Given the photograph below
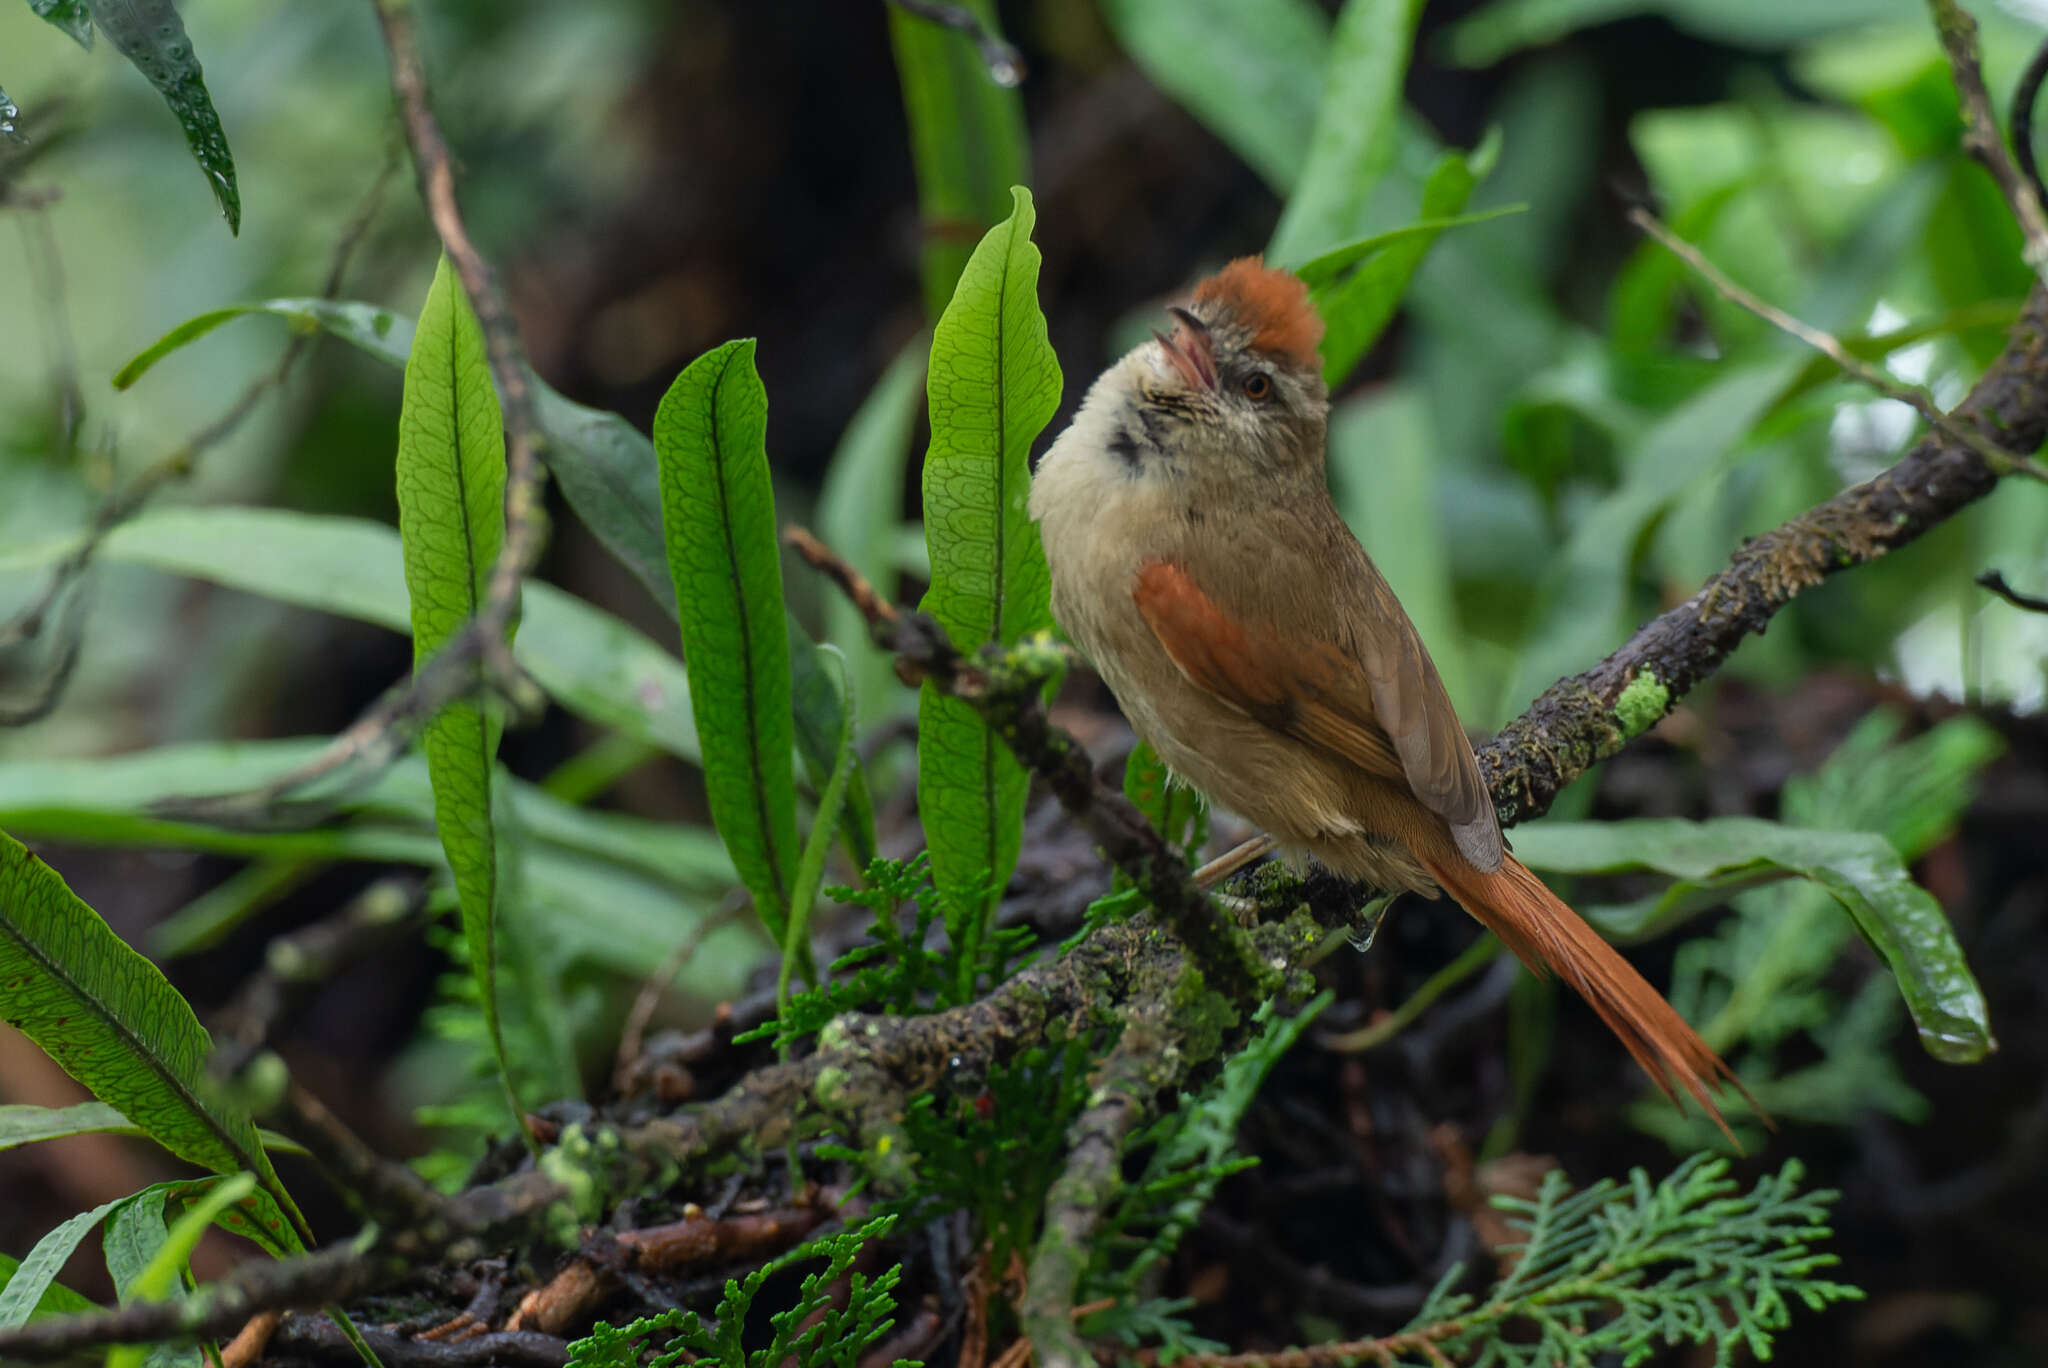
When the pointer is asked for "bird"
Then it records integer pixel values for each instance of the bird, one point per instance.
(1197, 560)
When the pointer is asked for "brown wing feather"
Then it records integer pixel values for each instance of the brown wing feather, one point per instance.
(1372, 697)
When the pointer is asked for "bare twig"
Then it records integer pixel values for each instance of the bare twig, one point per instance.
(172, 467)
(524, 474)
(1981, 136)
(1995, 582)
(480, 652)
(2023, 96)
(626, 1065)
(296, 965)
(1005, 64)
(1830, 346)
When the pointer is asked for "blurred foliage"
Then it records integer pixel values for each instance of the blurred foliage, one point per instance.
(1543, 434)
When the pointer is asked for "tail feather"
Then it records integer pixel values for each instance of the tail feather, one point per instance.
(1545, 934)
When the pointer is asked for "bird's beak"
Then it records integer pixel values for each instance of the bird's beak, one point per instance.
(1190, 350)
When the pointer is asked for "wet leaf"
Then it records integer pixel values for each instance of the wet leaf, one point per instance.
(152, 37)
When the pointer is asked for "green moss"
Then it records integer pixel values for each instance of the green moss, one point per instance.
(1641, 704)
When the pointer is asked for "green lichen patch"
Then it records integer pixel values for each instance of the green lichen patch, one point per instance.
(1642, 704)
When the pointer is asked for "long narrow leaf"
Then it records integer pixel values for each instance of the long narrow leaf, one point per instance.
(718, 514)
(1250, 70)
(451, 524)
(966, 140)
(150, 34)
(24, 1124)
(55, 1300)
(111, 1020)
(822, 712)
(1900, 919)
(159, 1277)
(590, 662)
(994, 384)
(810, 866)
(1357, 129)
(1357, 307)
(608, 475)
(70, 16)
(33, 1277)
(860, 509)
(380, 332)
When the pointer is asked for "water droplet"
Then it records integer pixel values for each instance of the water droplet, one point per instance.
(1006, 70)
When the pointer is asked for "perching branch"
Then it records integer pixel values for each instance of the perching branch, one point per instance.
(1149, 1059)
(1004, 687)
(1581, 720)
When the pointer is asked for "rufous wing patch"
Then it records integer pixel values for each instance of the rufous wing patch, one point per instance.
(1273, 306)
(1301, 689)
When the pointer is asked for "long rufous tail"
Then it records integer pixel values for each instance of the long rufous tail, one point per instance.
(1545, 933)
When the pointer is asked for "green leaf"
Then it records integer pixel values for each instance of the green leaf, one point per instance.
(605, 467)
(1900, 919)
(56, 1299)
(860, 509)
(1507, 26)
(159, 1278)
(1583, 605)
(1383, 461)
(71, 16)
(589, 661)
(966, 140)
(134, 1233)
(1357, 308)
(994, 384)
(380, 332)
(31, 1281)
(1356, 130)
(61, 798)
(451, 525)
(823, 713)
(607, 472)
(718, 513)
(150, 35)
(810, 866)
(109, 1018)
(24, 1124)
(1249, 70)
(1325, 269)
(1178, 813)
(217, 913)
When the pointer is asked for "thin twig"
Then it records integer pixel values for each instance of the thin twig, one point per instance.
(294, 967)
(480, 652)
(1574, 724)
(1981, 136)
(1995, 582)
(1005, 64)
(625, 1066)
(525, 525)
(176, 465)
(1830, 346)
(2023, 96)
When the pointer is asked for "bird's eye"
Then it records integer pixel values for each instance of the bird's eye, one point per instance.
(1258, 385)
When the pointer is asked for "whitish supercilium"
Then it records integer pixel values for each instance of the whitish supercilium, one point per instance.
(1196, 557)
